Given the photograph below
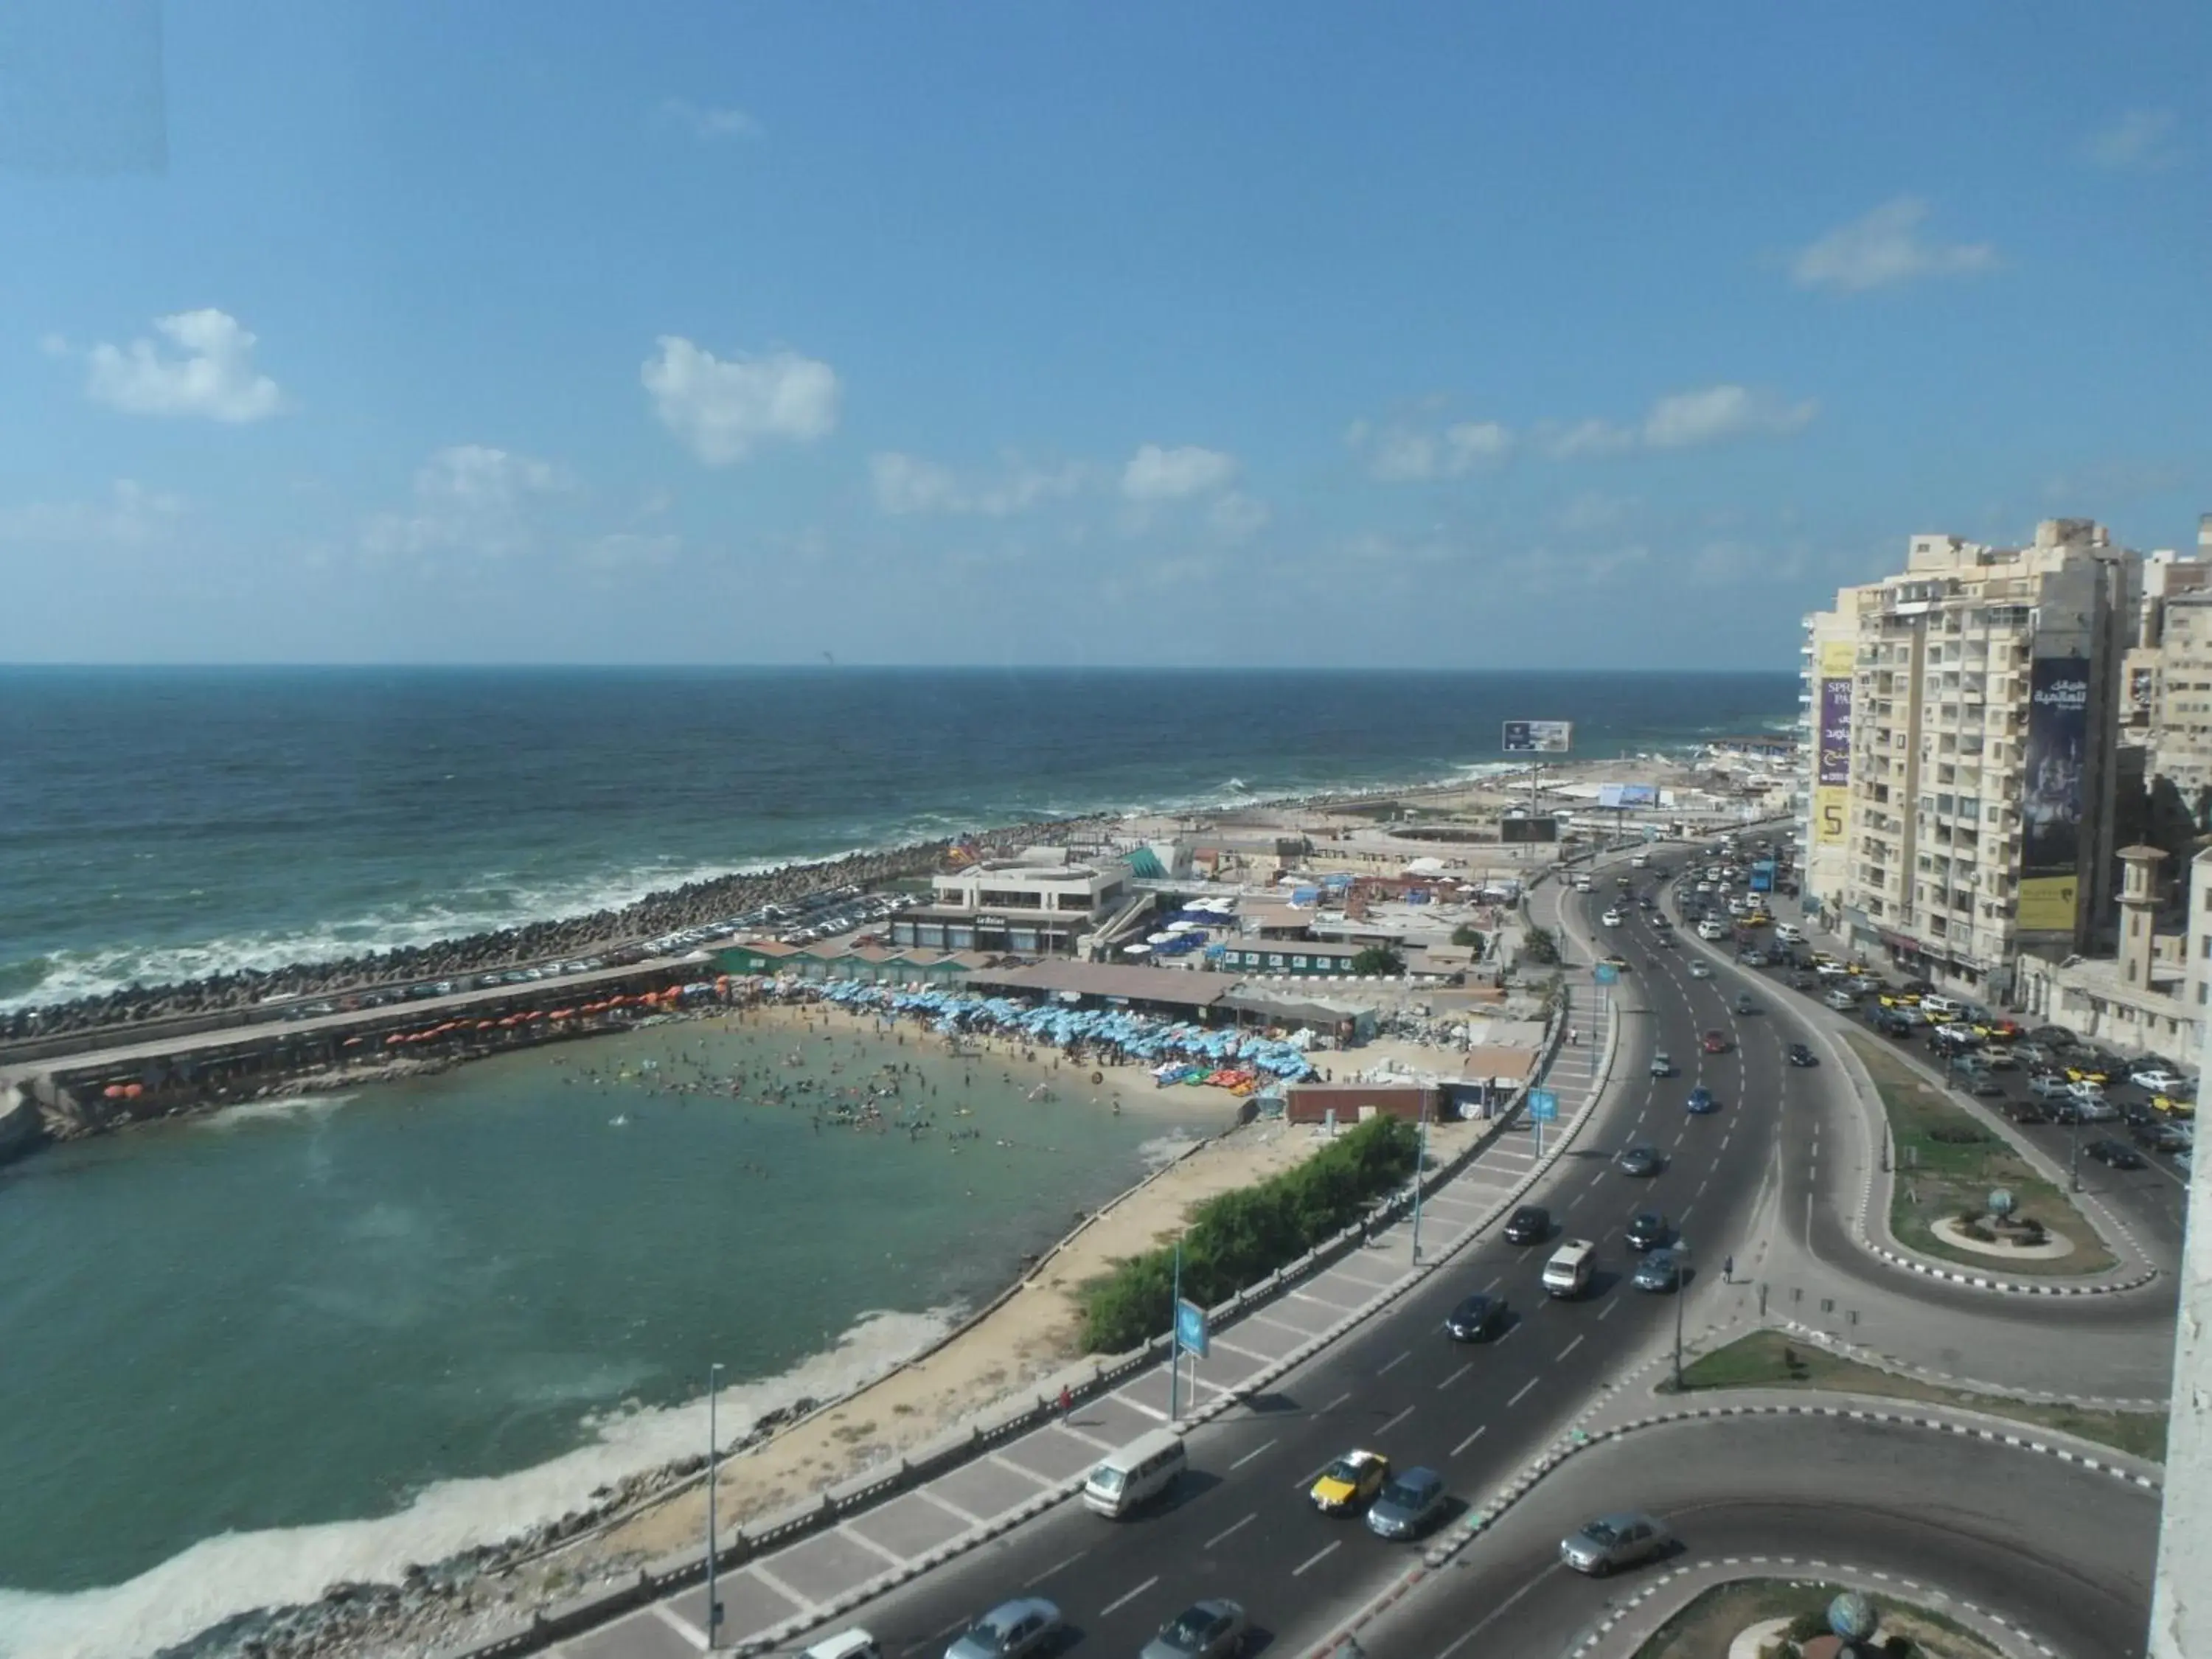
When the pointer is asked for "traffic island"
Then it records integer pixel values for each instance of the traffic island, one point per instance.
(1786, 1619)
(1947, 1165)
(1774, 1359)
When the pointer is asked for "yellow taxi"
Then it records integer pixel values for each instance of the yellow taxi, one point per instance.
(2171, 1107)
(2088, 1074)
(1350, 1482)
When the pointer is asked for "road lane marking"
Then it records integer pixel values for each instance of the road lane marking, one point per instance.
(1569, 1349)
(1395, 1421)
(1493, 1283)
(1610, 1303)
(1316, 1559)
(1686, 1208)
(1335, 1403)
(1394, 1363)
(1055, 1567)
(1226, 1531)
(1455, 1376)
(1525, 1387)
(1253, 1452)
(1116, 1606)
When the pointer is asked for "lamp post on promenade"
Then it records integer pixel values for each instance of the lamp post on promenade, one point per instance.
(1420, 1163)
(713, 1466)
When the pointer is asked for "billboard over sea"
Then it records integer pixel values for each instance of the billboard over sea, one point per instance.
(1831, 764)
(1537, 737)
(1621, 795)
(2051, 795)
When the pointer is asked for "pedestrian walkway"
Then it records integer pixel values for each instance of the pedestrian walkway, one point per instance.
(789, 1588)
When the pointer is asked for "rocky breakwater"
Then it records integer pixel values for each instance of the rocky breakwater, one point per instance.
(601, 933)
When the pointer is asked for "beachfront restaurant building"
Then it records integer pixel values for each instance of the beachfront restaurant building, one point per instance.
(1040, 902)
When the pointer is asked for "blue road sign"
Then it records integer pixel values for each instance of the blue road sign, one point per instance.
(1606, 974)
(1543, 1106)
(1190, 1328)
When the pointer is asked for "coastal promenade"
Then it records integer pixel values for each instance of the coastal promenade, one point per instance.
(854, 1546)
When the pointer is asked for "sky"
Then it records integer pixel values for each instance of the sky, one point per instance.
(1294, 335)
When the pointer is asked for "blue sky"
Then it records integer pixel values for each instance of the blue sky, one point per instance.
(1299, 334)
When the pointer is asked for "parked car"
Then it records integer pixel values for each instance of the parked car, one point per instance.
(1613, 1542)
(1530, 1224)
(1012, 1629)
(1408, 1506)
(1212, 1629)
(2117, 1154)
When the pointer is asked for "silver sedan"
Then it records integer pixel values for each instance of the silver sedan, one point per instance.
(1213, 1629)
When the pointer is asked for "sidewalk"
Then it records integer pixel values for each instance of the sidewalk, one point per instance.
(905, 1528)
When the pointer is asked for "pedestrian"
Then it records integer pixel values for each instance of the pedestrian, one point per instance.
(1067, 1403)
(1728, 1270)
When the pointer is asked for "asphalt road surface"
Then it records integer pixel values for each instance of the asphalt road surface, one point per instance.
(2065, 1553)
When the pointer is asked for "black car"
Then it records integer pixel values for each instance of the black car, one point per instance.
(1799, 1054)
(2136, 1114)
(1802, 981)
(2052, 1037)
(1647, 1230)
(2115, 1153)
(1641, 1161)
(2025, 1111)
(1476, 1319)
(2162, 1137)
(1530, 1224)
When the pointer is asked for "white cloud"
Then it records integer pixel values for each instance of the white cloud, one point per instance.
(1237, 515)
(1404, 454)
(1580, 439)
(1714, 414)
(210, 371)
(721, 410)
(627, 549)
(1884, 248)
(1157, 474)
(132, 516)
(906, 484)
(2141, 139)
(470, 499)
(707, 121)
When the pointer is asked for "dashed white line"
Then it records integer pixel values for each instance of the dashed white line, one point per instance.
(1317, 1558)
(1686, 1208)
(1395, 1421)
(1123, 1601)
(1253, 1452)
(1455, 1376)
(1226, 1531)
(1339, 1400)
(1522, 1394)
(1055, 1567)
(1394, 1363)
(1610, 1303)
(1569, 1349)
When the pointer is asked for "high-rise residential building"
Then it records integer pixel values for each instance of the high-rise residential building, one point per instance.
(1981, 736)
(2169, 673)
(1828, 669)
(2181, 1597)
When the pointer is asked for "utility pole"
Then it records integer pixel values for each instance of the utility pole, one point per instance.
(1681, 1293)
(714, 1468)
(1420, 1163)
(1175, 1337)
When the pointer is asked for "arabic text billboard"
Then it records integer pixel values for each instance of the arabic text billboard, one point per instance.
(1831, 764)
(1537, 737)
(2051, 795)
(1614, 795)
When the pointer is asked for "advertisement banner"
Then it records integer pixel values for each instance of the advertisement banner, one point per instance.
(1832, 764)
(1511, 831)
(2142, 689)
(1537, 737)
(1617, 796)
(2051, 795)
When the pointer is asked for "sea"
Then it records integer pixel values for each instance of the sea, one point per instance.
(316, 1339)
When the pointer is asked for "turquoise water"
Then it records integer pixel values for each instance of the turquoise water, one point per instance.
(414, 1317)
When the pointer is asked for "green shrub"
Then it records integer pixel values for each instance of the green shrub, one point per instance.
(1237, 1238)
(1813, 1622)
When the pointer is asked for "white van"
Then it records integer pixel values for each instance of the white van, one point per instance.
(1942, 1008)
(1789, 933)
(1134, 1476)
(1641, 860)
(1568, 1272)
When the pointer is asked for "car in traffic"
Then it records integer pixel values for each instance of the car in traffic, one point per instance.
(1714, 1043)
(1700, 970)
(1350, 1482)
(1408, 1505)
(1647, 1230)
(1530, 1224)
(1613, 1542)
(1700, 1102)
(1642, 1160)
(2161, 1136)
(1012, 1629)
(1662, 1064)
(1613, 918)
(1216, 1628)
(2114, 1154)
(2172, 1106)
(1744, 1005)
(1658, 1270)
(1799, 1054)
(2158, 1079)
(2049, 1085)
(1477, 1318)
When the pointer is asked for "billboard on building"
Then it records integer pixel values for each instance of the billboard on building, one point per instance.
(1832, 762)
(1537, 737)
(1527, 830)
(2142, 689)
(1627, 794)
(2051, 804)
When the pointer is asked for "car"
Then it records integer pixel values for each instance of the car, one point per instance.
(1613, 1542)
(1612, 918)
(1714, 1043)
(1662, 1064)
(2031, 1053)
(1641, 1161)
(1700, 1102)
(1476, 1319)
(1753, 958)
(2052, 1036)
(1744, 1005)
(1012, 1629)
(1980, 1082)
(2185, 1160)
(2024, 1112)
(2117, 1154)
(1699, 970)
(2137, 1113)
(1799, 1054)
(1408, 1506)
(2049, 1085)
(1647, 1230)
(1350, 1483)
(1659, 1270)
(2163, 1137)
(1530, 1224)
(1212, 1629)
(2084, 1088)
(2174, 1106)
(1618, 962)
(2000, 1057)
(2158, 1079)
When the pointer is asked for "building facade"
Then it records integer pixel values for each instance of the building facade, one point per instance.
(1827, 681)
(1981, 732)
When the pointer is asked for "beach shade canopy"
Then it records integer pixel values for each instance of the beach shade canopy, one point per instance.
(1158, 938)
(1136, 950)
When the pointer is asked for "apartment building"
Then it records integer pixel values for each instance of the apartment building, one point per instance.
(2169, 675)
(1827, 677)
(1981, 729)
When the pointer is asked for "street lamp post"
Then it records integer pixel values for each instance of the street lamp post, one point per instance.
(713, 1606)
(1681, 1291)
(2073, 1148)
(1420, 1163)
